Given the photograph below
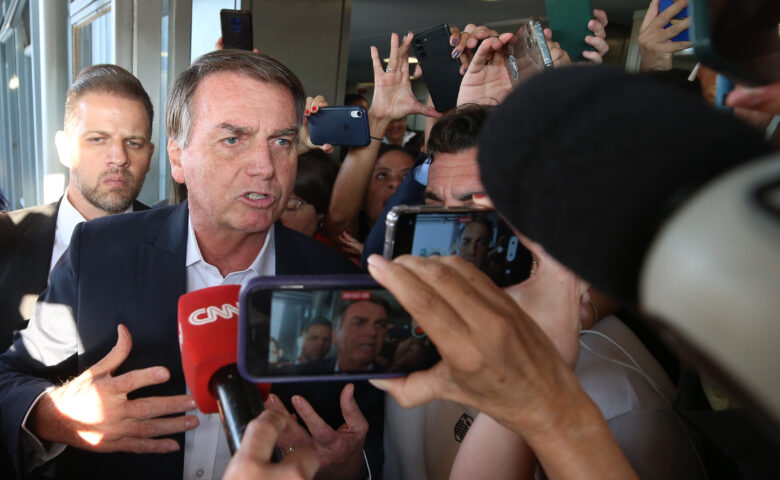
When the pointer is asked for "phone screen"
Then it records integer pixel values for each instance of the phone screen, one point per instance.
(478, 236)
(343, 331)
(747, 33)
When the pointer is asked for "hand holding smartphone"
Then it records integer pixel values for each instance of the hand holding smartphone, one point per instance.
(347, 125)
(478, 236)
(237, 29)
(326, 328)
(441, 72)
(569, 23)
(527, 53)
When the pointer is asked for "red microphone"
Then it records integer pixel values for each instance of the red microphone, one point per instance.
(208, 337)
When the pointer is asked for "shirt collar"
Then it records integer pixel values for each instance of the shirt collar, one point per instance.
(67, 219)
(259, 265)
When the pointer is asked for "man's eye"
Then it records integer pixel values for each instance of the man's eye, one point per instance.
(134, 144)
(230, 140)
(96, 140)
(283, 142)
(381, 176)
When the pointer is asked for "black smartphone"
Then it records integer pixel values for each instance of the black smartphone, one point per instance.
(569, 23)
(527, 52)
(739, 38)
(440, 71)
(237, 29)
(326, 328)
(478, 236)
(347, 125)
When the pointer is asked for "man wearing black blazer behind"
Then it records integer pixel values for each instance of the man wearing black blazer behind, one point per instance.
(232, 120)
(106, 143)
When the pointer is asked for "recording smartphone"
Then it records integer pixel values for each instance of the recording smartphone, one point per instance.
(440, 71)
(347, 125)
(478, 236)
(682, 36)
(569, 23)
(326, 328)
(527, 53)
(237, 29)
(738, 38)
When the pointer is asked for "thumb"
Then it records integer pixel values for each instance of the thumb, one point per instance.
(116, 356)
(353, 417)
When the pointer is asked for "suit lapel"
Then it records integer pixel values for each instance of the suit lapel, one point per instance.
(160, 281)
(289, 260)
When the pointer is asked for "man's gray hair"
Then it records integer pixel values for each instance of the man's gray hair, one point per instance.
(178, 116)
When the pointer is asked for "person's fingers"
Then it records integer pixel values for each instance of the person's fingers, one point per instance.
(302, 460)
(427, 110)
(548, 34)
(601, 45)
(261, 434)
(307, 109)
(481, 57)
(417, 388)
(327, 148)
(601, 17)
(317, 103)
(597, 28)
(482, 32)
(417, 72)
(153, 407)
(462, 44)
(677, 28)
(403, 58)
(219, 45)
(505, 38)
(672, 47)
(163, 426)
(392, 63)
(454, 36)
(666, 16)
(147, 445)
(350, 410)
(135, 379)
(320, 431)
(376, 62)
(254, 50)
(116, 356)
(765, 98)
(650, 14)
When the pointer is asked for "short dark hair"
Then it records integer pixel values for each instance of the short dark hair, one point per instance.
(317, 321)
(315, 178)
(389, 147)
(178, 117)
(375, 299)
(458, 130)
(110, 79)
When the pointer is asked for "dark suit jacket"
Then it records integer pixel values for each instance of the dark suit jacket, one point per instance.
(26, 242)
(126, 269)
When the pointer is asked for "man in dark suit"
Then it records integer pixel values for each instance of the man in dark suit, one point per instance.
(106, 143)
(232, 120)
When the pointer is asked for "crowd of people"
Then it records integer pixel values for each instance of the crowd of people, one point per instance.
(546, 377)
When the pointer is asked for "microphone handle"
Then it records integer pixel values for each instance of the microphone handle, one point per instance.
(239, 402)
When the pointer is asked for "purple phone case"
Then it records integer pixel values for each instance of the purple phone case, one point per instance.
(682, 36)
(308, 282)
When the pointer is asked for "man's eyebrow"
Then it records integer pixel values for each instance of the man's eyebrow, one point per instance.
(464, 197)
(431, 196)
(234, 129)
(286, 132)
(99, 132)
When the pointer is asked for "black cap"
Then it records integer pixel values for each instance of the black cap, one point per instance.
(588, 161)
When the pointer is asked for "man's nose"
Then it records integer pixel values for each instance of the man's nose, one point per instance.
(117, 153)
(393, 184)
(261, 162)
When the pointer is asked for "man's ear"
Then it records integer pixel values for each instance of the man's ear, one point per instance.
(174, 155)
(62, 142)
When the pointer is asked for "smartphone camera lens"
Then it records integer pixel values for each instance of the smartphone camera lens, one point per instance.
(422, 55)
(417, 41)
(359, 113)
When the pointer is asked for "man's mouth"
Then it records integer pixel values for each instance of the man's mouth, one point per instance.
(256, 196)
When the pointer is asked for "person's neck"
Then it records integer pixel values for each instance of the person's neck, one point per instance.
(228, 251)
(86, 209)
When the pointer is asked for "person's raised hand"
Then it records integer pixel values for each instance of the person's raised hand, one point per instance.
(340, 451)
(765, 98)
(560, 57)
(252, 461)
(393, 96)
(598, 40)
(350, 244)
(486, 81)
(465, 42)
(655, 40)
(313, 105)
(494, 356)
(92, 411)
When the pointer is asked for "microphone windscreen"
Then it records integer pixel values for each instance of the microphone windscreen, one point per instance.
(588, 161)
(208, 336)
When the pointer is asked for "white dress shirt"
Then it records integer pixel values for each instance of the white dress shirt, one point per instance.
(206, 452)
